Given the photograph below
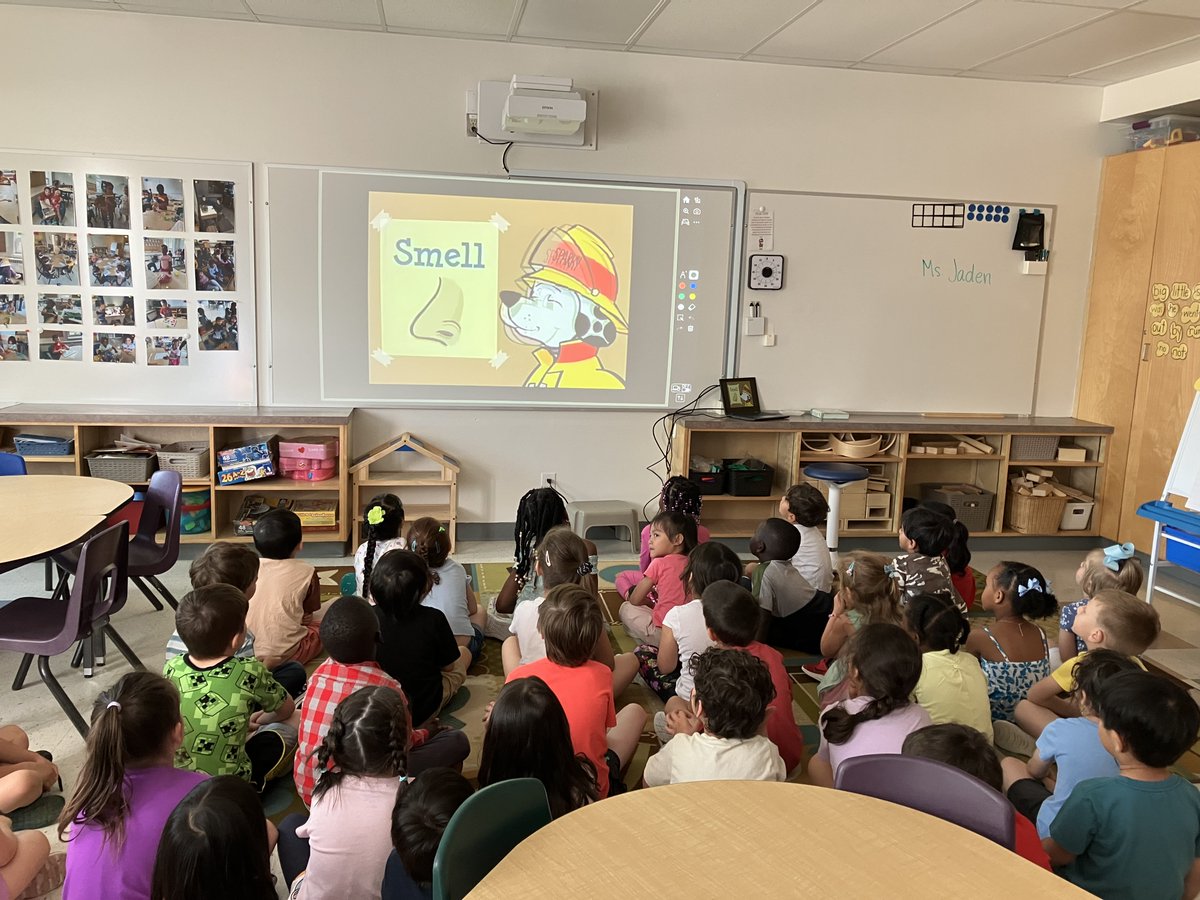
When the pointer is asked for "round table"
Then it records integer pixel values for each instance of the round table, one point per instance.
(42, 514)
(760, 839)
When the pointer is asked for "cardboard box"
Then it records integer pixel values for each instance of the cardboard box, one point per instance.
(314, 447)
(251, 471)
(251, 451)
(1072, 454)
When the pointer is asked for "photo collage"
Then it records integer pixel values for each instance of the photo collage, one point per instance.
(185, 243)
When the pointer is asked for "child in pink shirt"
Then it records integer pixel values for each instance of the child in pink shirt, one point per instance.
(678, 494)
(672, 537)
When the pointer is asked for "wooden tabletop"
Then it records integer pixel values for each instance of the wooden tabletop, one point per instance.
(89, 414)
(758, 839)
(42, 514)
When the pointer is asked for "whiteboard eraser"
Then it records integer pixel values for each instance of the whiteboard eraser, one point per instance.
(768, 340)
(1034, 267)
(755, 326)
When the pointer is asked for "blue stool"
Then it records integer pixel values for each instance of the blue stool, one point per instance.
(835, 475)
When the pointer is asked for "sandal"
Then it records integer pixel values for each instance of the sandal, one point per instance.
(50, 876)
(41, 812)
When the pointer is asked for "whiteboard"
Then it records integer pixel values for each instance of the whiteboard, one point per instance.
(877, 314)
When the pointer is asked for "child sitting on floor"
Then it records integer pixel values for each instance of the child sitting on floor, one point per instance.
(681, 495)
(1113, 568)
(967, 749)
(731, 699)
(1072, 746)
(794, 611)
(925, 536)
(672, 538)
(883, 666)
(528, 736)
(952, 687)
(383, 522)
(126, 790)
(287, 598)
(424, 806)
(1013, 651)
(1112, 620)
(25, 776)
(27, 868)
(350, 633)
(224, 562)
(806, 508)
(1137, 835)
(451, 592)
(570, 622)
(236, 711)
(958, 554)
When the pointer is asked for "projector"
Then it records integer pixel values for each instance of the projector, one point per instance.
(534, 109)
(544, 112)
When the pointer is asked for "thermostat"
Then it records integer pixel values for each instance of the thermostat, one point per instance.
(766, 272)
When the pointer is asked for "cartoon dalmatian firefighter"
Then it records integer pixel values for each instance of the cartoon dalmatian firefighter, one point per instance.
(568, 309)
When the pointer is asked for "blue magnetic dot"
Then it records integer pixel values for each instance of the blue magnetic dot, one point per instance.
(970, 217)
(988, 217)
(693, 285)
(1005, 210)
(1004, 219)
(971, 208)
(990, 208)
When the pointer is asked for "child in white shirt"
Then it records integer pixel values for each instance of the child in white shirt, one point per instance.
(804, 506)
(732, 692)
(451, 592)
(382, 522)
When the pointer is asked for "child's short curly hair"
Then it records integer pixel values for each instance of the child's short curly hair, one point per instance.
(733, 690)
(806, 504)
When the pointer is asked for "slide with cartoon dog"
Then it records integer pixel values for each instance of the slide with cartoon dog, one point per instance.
(479, 291)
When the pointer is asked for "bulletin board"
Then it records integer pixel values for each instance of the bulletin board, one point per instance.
(895, 304)
(126, 280)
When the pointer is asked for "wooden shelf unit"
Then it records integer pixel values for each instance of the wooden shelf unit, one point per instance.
(92, 428)
(438, 482)
(780, 444)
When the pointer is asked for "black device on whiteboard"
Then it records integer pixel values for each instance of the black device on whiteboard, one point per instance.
(766, 272)
(739, 397)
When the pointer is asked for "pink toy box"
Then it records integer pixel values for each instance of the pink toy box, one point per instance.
(315, 447)
(297, 463)
(308, 474)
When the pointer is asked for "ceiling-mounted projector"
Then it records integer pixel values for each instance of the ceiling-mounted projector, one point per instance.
(536, 109)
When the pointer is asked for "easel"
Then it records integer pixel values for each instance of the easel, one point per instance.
(1183, 480)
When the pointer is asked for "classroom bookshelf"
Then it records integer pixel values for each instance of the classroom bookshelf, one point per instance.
(94, 427)
(984, 455)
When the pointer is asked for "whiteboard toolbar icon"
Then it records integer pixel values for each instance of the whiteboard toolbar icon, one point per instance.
(693, 274)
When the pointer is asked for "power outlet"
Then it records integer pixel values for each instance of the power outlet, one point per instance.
(549, 478)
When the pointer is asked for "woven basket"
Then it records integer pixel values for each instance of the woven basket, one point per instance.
(1034, 515)
(188, 459)
(1033, 446)
(131, 469)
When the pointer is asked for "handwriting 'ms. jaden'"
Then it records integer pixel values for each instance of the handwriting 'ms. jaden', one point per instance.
(464, 256)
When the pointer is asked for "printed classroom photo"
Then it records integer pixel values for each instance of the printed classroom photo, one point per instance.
(166, 313)
(215, 266)
(108, 201)
(61, 345)
(166, 264)
(166, 351)
(60, 309)
(52, 198)
(14, 346)
(162, 204)
(9, 210)
(57, 257)
(12, 309)
(110, 347)
(214, 206)
(108, 258)
(217, 324)
(113, 311)
(12, 261)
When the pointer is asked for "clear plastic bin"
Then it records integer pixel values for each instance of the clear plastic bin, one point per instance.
(1163, 131)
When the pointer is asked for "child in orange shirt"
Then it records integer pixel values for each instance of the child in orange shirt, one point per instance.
(285, 607)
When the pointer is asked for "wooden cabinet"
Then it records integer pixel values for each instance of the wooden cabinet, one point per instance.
(1141, 350)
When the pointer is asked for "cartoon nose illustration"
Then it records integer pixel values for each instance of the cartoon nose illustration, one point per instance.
(440, 319)
(510, 298)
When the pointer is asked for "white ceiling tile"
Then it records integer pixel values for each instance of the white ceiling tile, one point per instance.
(341, 12)
(992, 76)
(984, 31)
(800, 61)
(1146, 64)
(854, 29)
(1099, 43)
(606, 22)
(566, 42)
(718, 25)
(903, 70)
(211, 9)
(71, 4)
(1170, 7)
(675, 51)
(459, 16)
(1094, 4)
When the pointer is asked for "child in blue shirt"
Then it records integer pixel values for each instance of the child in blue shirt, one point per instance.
(1136, 836)
(1072, 744)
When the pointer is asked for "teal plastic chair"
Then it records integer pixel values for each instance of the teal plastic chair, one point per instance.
(348, 584)
(482, 832)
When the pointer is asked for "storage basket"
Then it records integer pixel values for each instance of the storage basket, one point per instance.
(972, 505)
(130, 468)
(1033, 446)
(708, 482)
(43, 445)
(747, 481)
(1034, 515)
(197, 512)
(189, 460)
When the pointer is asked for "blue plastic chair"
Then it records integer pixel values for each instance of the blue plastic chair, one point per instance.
(11, 464)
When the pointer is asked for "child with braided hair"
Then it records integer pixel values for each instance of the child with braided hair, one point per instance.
(382, 524)
(681, 495)
(343, 847)
(451, 592)
(952, 688)
(884, 665)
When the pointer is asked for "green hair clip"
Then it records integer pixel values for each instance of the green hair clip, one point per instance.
(375, 515)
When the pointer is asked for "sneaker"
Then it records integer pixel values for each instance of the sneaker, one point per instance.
(50, 876)
(817, 670)
(1010, 738)
(660, 727)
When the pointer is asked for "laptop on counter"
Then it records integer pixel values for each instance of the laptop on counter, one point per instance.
(739, 397)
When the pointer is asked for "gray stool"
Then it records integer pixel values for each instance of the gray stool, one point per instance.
(587, 514)
(835, 475)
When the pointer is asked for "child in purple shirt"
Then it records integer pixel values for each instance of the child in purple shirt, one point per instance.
(136, 729)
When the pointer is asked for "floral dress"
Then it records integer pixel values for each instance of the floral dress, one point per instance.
(1009, 682)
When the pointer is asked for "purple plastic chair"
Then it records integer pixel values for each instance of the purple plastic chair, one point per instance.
(932, 787)
(147, 558)
(41, 627)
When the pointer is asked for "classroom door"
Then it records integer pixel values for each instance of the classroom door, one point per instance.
(1170, 357)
